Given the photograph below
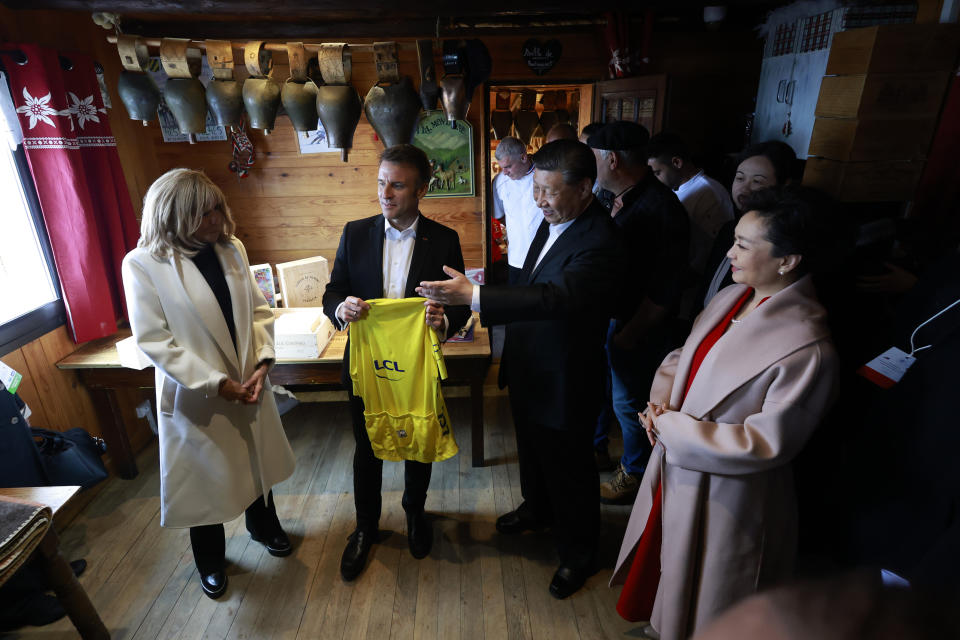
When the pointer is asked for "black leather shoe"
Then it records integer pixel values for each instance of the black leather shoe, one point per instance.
(277, 544)
(214, 584)
(355, 554)
(567, 581)
(419, 534)
(518, 521)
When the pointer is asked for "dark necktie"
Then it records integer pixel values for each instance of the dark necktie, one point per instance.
(535, 248)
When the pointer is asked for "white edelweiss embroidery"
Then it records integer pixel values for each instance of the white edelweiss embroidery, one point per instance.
(38, 109)
(83, 109)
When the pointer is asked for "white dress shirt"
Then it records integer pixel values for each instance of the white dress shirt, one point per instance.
(397, 256)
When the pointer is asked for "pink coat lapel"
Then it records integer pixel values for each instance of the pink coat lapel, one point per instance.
(790, 320)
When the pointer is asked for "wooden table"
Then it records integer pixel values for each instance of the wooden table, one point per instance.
(57, 571)
(98, 366)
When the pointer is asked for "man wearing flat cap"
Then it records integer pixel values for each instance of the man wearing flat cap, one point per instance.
(656, 233)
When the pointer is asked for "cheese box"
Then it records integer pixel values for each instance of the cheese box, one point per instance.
(303, 282)
(881, 181)
(301, 333)
(872, 138)
(883, 95)
(900, 48)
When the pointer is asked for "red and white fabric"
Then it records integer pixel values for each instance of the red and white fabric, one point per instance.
(76, 169)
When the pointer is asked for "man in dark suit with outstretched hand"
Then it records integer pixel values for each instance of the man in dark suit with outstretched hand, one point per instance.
(556, 320)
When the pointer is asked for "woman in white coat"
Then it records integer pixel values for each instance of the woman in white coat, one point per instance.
(715, 518)
(206, 327)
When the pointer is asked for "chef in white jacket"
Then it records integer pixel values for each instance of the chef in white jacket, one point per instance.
(206, 327)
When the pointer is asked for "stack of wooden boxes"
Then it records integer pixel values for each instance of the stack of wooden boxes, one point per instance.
(878, 108)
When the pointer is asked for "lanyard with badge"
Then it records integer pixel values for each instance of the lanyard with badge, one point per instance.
(888, 368)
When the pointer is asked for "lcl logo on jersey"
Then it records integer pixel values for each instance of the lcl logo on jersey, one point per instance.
(388, 370)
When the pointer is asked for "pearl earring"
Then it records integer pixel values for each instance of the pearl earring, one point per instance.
(781, 272)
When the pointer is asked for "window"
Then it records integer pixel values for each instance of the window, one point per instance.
(784, 39)
(816, 32)
(30, 301)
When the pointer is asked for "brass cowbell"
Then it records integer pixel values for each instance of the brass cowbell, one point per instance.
(261, 93)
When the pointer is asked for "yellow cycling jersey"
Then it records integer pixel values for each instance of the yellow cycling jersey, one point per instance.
(396, 366)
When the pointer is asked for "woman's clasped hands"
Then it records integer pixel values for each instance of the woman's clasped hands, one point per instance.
(247, 392)
(648, 419)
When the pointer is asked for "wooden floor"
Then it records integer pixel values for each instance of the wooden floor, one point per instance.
(474, 584)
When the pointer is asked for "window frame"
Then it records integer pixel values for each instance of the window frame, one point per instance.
(42, 320)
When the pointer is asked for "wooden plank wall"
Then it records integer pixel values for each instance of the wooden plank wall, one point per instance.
(294, 206)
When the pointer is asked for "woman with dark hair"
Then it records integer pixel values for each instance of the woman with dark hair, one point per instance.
(759, 166)
(727, 413)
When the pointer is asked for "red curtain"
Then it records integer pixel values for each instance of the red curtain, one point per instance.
(73, 158)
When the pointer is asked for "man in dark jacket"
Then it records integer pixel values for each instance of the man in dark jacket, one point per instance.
(385, 256)
(556, 320)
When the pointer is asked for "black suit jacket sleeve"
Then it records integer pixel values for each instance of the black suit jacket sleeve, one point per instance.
(588, 280)
(456, 316)
(339, 286)
(577, 278)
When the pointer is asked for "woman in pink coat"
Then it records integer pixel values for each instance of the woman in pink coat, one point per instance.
(715, 519)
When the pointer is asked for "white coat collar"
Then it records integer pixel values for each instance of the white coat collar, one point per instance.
(205, 305)
(788, 321)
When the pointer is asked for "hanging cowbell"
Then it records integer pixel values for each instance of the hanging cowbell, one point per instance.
(429, 92)
(393, 110)
(183, 94)
(261, 93)
(224, 94)
(225, 100)
(186, 99)
(138, 92)
(392, 106)
(338, 103)
(299, 94)
(453, 95)
(339, 108)
(453, 86)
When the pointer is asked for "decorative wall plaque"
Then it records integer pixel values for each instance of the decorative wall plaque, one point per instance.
(541, 56)
(450, 151)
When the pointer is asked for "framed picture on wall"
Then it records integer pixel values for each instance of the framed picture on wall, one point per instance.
(314, 141)
(450, 150)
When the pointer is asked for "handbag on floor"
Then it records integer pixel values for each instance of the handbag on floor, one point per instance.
(72, 457)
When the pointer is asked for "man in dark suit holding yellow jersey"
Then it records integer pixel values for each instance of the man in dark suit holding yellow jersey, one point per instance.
(385, 256)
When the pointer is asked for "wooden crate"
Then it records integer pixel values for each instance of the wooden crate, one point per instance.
(882, 181)
(894, 49)
(883, 95)
(872, 139)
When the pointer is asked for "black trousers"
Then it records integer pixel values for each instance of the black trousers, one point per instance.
(209, 541)
(368, 476)
(560, 483)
